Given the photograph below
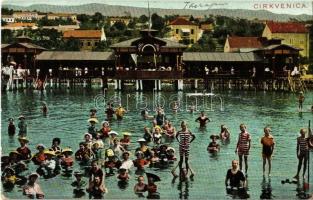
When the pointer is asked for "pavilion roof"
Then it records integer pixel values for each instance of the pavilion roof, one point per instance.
(169, 43)
(75, 55)
(220, 57)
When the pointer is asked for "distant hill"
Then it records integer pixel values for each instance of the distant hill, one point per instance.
(113, 10)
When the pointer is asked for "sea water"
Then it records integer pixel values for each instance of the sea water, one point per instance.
(69, 111)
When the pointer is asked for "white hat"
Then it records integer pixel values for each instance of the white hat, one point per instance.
(141, 140)
(88, 135)
(105, 122)
(113, 133)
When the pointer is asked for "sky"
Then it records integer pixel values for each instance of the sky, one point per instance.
(280, 6)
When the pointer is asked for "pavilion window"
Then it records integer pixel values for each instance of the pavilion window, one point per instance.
(88, 43)
(192, 31)
(177, 31)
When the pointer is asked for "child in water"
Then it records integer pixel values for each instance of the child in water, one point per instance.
(44, 108)
(11, 127)
(213, 147)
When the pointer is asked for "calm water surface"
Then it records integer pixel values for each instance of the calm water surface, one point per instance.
(69, 111)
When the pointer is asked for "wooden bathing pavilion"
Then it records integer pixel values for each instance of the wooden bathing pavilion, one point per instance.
(148, 62)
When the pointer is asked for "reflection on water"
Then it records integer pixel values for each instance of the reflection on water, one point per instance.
(266, 192)
(69, 111)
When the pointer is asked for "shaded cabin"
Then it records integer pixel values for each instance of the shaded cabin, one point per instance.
(75, 64)
(148, 58)
(280, 58)
(22, 52)
(199, 64)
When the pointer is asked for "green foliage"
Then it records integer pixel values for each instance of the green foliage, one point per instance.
(70, 45)
(143, 19)
(103, 46)
(7, 36)
(131, 24)
(6, 11)
(119, 26)
(157, 22)
(46, 22)
(97, 18)
(83, 18)
(3, 23)
(205, 44)
(169, 18)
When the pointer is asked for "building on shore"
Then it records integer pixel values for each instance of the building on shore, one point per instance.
(113, 20)
(25, 15)
(292, 33)
(20, 26)
(243, 44)
(8, 18)
(62, 28)
(185, 31)
(89, 39)
(63, 16)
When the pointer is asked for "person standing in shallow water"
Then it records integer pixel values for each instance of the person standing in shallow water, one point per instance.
(203, 120)
(22, 125)
(302, 152)
(11, 127)
(301, 100)
(184, 138)
(268, 144)
(243, 146)
(44, 108)
(235, 177)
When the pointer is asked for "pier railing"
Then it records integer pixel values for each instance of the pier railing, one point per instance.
(148, 75)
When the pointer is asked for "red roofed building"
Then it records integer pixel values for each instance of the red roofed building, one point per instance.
(88, 38)
(293, 33)
(185, 31)
(243, 44)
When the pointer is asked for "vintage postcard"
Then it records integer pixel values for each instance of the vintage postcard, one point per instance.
(156, 99)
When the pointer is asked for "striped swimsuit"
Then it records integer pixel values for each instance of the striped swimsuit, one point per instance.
(243, 148)
(304, 146)
(184, 143)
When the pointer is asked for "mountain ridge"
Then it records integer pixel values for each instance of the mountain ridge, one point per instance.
(117, 10)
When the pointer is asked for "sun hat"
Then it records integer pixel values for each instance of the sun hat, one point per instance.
(40, 145)
(105, 122)
(113, 133)
(47, 152)
(138, 153)
(23, 139)
(170, 149)
(21, 117)
(109, 152)
(93, 120)
(67, 149)
(14, 152)
(127, 133)
(88, 135)
(9, 169)
(141, 140)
